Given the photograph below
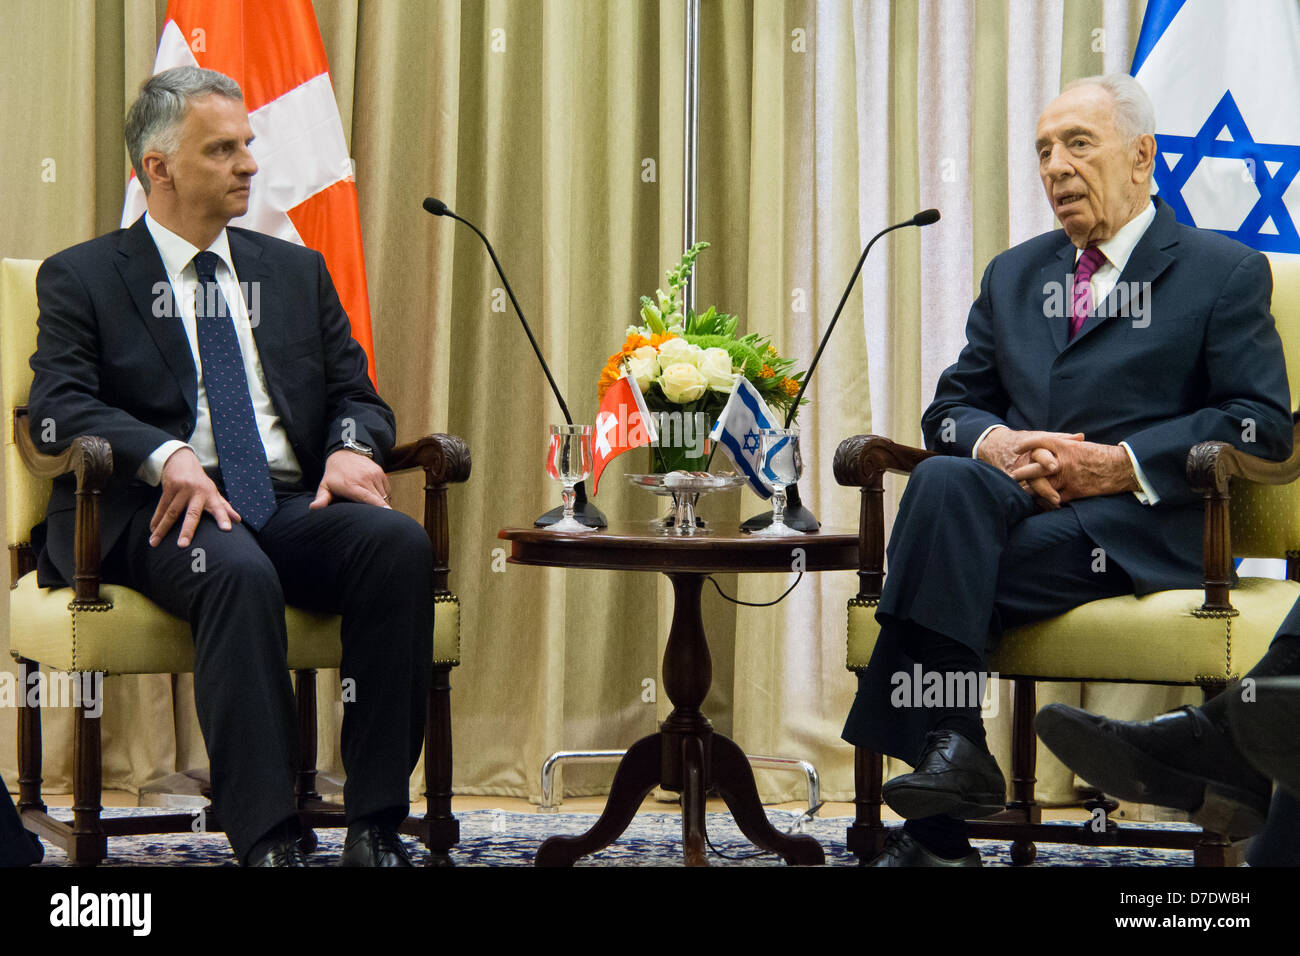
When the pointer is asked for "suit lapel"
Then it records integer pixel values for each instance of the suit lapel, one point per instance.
(1149, 259)
(1056, 275)
(141, 268)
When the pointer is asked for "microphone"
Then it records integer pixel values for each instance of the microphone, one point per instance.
(583, 511)
(923, 218)
(796, 515)
(439, 208)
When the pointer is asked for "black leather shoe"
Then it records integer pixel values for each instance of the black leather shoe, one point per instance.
(1267, 729)
(902, 849)
(953, 777)
(282, 853)
(373, 845)
(1180, 760)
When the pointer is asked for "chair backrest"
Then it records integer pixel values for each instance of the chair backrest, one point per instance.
(25, 496)
(1266, 519)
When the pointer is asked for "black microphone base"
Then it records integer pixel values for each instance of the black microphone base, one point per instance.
(584, 512)
(796, 515)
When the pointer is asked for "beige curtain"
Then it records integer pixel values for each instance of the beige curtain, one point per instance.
(557, 127)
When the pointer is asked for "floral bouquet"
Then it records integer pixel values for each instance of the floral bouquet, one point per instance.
(686, 366)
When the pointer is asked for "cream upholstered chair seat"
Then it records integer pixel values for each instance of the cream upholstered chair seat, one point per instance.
(1162, 638)
(132, 635)
(112, 629)
(1202, 638)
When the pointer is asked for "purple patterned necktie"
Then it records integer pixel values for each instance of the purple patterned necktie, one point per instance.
(240, 453)
(1088, 263)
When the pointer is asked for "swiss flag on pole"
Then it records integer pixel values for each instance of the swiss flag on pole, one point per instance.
(304, 190)
(621, 424)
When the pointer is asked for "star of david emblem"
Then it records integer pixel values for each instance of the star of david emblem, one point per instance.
(1268, 225)
(751, 442)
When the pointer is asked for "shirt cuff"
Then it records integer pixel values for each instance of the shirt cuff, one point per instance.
(150, 471)
(975, 451)
(1148, 494)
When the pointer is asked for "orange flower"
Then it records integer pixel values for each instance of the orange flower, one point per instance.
(789, 386)
(768, 372)
(608, 376)
(612, 371)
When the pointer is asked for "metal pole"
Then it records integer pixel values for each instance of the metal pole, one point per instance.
(690, 163)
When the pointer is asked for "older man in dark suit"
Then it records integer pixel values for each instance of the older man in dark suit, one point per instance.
(248, 445)
(1096, 357)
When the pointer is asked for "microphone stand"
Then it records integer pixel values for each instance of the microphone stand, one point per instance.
(796, 515)
(584, 512)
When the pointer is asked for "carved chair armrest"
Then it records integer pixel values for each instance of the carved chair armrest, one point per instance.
(861, 462)
(863, 459)
(445, 460)
(1211, 466)
(90, 458)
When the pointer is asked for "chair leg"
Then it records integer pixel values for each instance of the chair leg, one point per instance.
(304, 688)
(439, 830)
(1024, 766)
(1211, 851)
(866, 837)
(88, 845)
(305, 693)
(29, 746)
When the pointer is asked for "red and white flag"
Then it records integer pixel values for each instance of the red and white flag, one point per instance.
(304, 190)
(622, 423)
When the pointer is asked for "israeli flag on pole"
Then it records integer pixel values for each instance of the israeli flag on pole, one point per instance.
(1224, 78)
(738, 429)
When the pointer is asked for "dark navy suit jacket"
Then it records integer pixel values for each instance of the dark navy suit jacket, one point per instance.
(1202, 362)
(112, 360)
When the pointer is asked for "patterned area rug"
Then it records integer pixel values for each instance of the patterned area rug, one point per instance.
(498, 838)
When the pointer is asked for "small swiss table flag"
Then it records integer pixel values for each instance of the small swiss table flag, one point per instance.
(622, 423)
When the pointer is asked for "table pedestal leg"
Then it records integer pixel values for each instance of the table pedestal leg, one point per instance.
(685, 756)
(694, 771)
(637, 775)
(734, 778)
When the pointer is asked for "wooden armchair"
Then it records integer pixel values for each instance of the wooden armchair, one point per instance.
(110, 629)
(1204, 638)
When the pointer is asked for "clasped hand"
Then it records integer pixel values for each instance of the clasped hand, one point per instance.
(187, 490)
(1056, 467)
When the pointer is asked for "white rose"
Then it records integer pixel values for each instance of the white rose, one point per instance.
(643, 365)
(715, 366)
(675, 351)
(682, 383)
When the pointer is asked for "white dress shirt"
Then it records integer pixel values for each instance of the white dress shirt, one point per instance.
(177, 256)
(1117, 251)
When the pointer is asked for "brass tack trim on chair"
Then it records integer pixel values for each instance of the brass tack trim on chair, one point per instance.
(1216, 678)
(864, 602)
(1207, 613)
(446, 597)
(90, 605)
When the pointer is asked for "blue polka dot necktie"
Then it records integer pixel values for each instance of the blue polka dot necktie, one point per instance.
(240, 453)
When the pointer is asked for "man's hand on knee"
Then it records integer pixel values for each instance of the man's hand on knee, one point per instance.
(188, 491)
(1083, 469)
(352, 477)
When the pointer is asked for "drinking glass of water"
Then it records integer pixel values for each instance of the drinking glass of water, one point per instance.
(568, 461)
(782, 466)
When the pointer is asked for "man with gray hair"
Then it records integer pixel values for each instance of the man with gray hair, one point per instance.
(248, 445)
(1096, 357)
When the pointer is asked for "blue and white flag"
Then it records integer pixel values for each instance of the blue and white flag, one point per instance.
(1224, 78)
(739, 430)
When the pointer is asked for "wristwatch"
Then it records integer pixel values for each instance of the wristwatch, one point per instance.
(360, 449)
